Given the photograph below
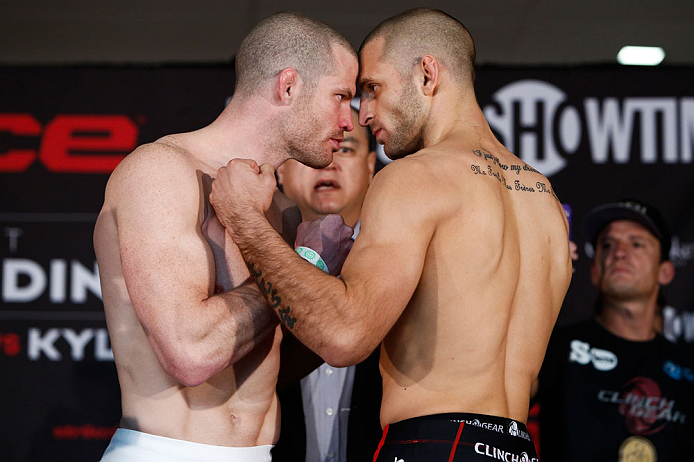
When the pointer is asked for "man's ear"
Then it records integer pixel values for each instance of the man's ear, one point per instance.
(666, 273)
(431, 74)
(288, 86)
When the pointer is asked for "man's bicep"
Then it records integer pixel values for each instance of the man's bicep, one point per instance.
(388, 256)
(164, 257)
(386, 272)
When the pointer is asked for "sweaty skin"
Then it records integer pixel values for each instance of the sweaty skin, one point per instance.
(188, 369)
(460, 268)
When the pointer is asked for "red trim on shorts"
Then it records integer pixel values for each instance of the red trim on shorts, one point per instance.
(383, 440)
(455, 443)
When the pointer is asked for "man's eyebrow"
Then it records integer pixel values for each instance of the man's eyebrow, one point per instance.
(352, 139)
(363, 81)
(346, 90)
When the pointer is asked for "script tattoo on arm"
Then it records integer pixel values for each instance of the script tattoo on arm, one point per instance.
(272, 297)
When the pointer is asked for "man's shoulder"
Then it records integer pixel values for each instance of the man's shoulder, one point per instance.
(154, 170)
(158, 154)
(423, 166)
(157, 161)
(410, 184)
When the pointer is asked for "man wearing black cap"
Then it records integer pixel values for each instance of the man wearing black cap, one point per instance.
(613, 388)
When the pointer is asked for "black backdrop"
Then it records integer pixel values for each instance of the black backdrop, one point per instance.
(600, 134)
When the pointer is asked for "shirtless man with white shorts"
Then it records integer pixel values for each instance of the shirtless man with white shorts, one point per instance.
(460, 268)
(195, 344)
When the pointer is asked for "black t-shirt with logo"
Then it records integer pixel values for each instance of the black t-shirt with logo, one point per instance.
(599, 392)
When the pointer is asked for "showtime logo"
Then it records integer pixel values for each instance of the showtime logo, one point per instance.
(69, 143)
(538, 125)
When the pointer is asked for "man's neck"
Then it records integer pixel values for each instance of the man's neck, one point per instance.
(241, 133)
(461, 117)
(631, 320)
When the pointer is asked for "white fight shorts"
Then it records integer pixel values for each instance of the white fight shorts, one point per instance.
(134, 446)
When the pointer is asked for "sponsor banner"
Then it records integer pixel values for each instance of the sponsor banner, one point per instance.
(599, 134)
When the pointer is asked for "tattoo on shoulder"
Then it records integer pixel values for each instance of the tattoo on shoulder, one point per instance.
(495, 169)
(272, 297)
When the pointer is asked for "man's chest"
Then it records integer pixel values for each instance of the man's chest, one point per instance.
(229, 267)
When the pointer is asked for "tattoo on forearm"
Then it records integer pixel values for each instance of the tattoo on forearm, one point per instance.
(272, 297)
(493, 161)
(286, 318)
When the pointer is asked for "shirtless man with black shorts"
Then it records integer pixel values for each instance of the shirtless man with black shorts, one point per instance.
(460, 268)
(195, 344)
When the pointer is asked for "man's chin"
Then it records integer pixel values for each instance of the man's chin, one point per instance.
(326, 207)
(318, 161)
(620, 291)
(394, 154)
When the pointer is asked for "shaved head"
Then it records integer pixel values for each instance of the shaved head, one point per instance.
(287, 40)
(423, 31)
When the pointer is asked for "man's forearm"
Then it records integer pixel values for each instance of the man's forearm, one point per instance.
(306, 299)
(218, 332)
(251, 322)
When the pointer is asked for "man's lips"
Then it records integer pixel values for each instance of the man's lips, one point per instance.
(336, 143)
(326, 184)
(620, 270)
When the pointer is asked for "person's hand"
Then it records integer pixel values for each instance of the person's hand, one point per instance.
(242, 188)
(330, 237)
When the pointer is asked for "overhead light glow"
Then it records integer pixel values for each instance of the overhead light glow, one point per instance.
(641, 56)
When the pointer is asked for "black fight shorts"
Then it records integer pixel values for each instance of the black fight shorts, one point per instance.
(456, 437)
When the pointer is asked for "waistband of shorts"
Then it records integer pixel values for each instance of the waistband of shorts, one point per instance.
(452, 421)
(187, 449)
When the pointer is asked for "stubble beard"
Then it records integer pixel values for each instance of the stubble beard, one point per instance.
(406, 137)
(304, 136)
(620, 290)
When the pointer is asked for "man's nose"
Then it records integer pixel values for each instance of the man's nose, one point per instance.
(365, 114)
(619, 249)
(346, 119)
